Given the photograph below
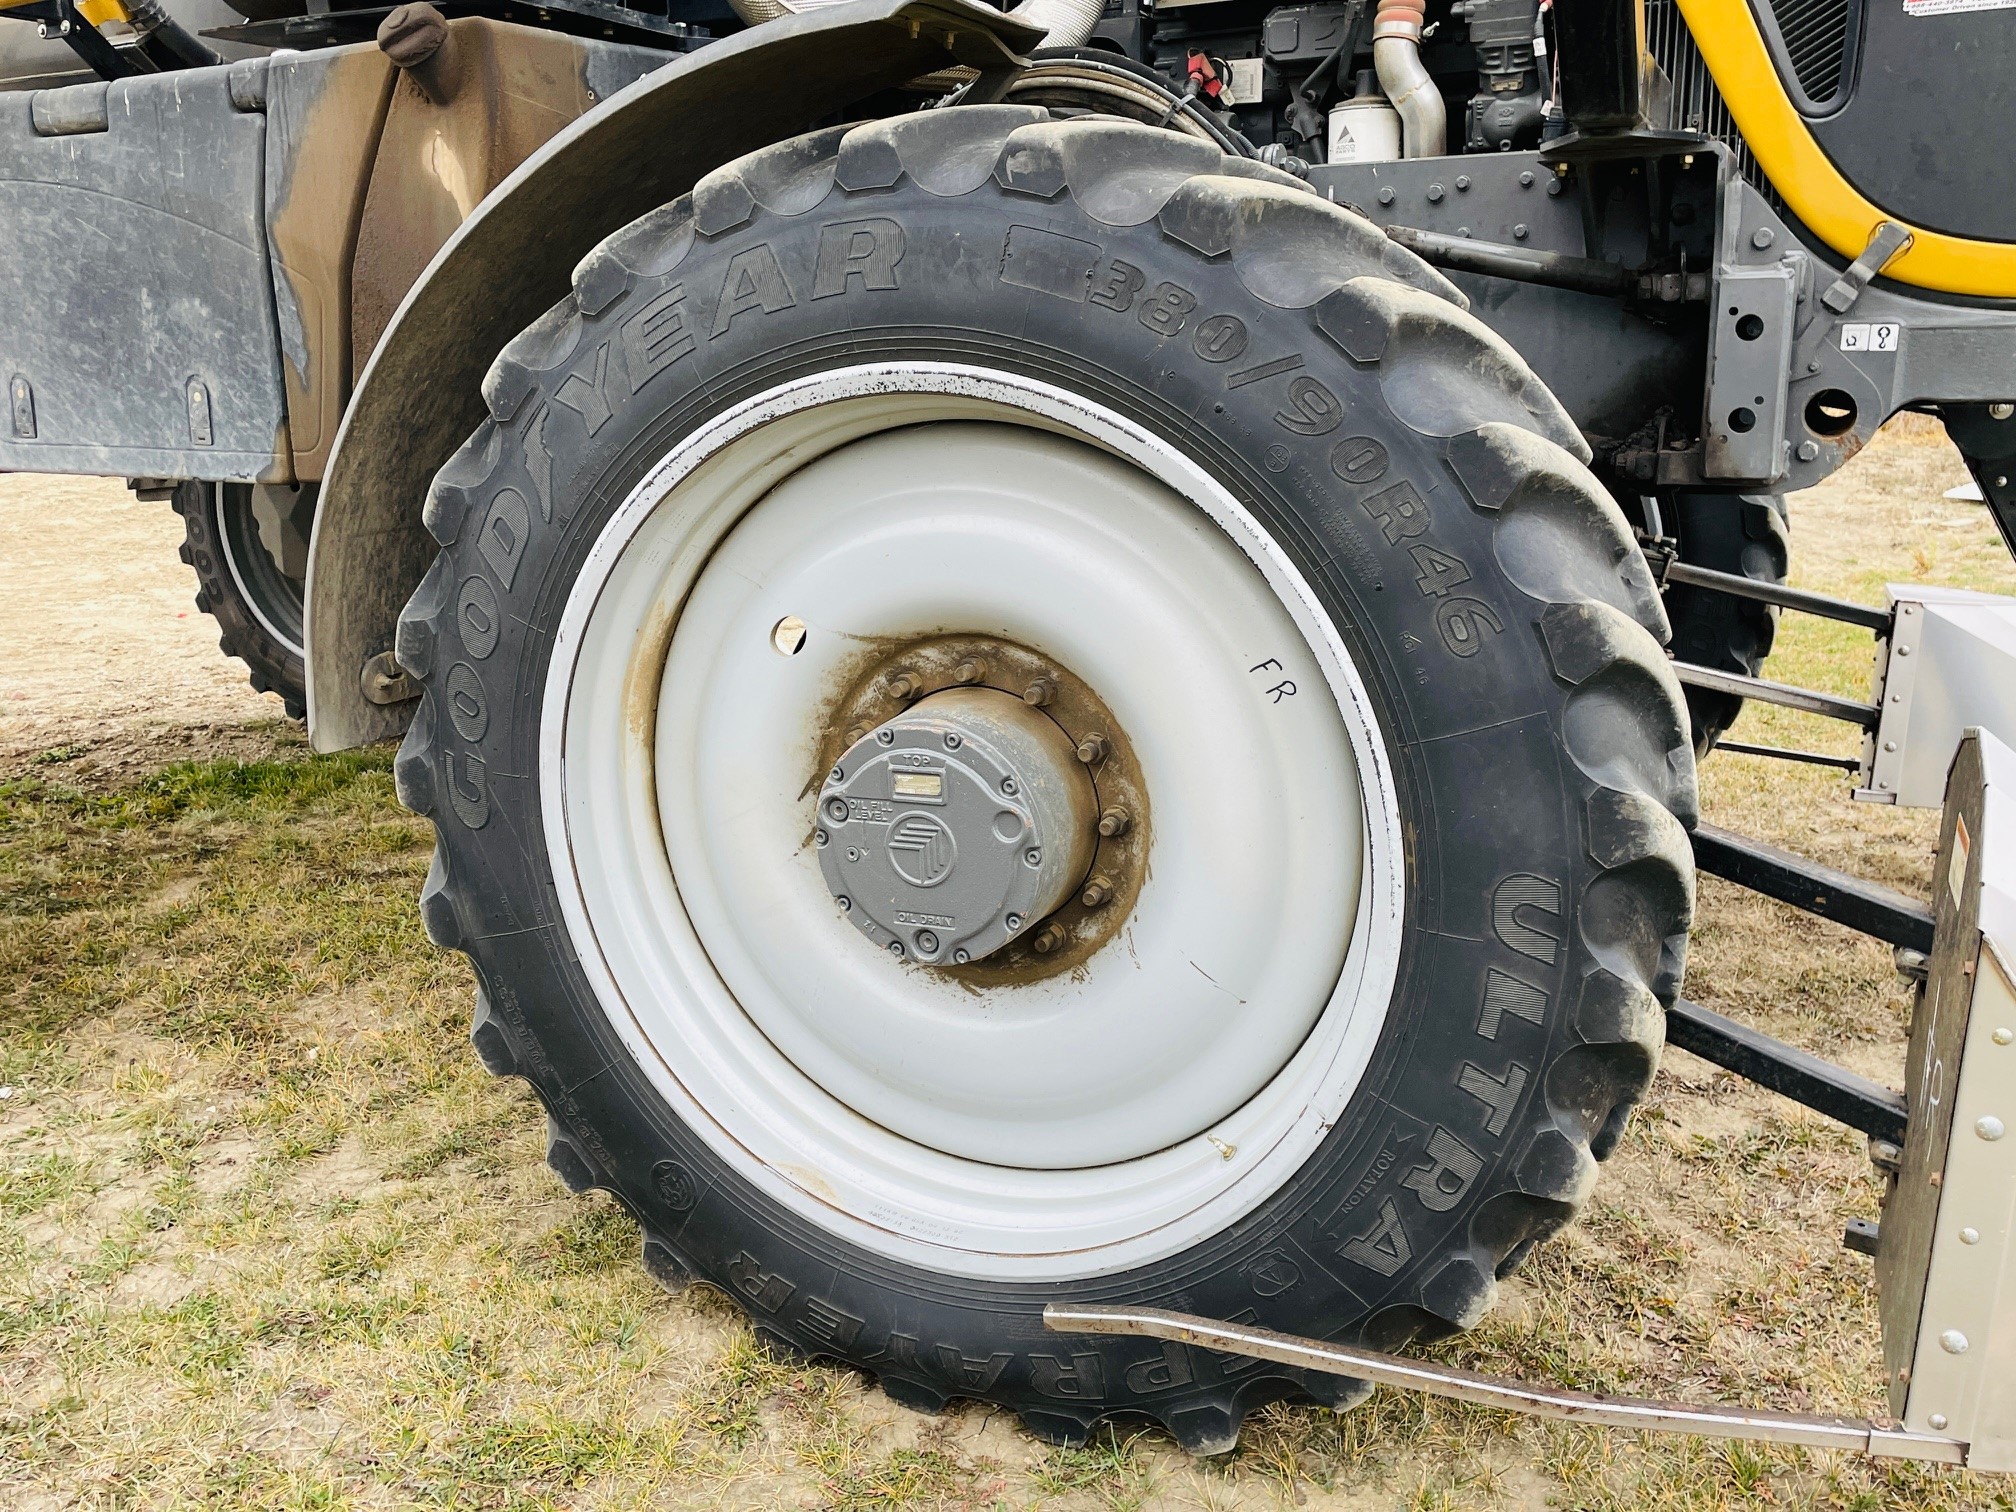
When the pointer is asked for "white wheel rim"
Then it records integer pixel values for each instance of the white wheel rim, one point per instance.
(773, 1029)
(249, 593)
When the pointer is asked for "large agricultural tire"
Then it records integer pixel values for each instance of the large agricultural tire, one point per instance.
(1101, 400)
(251, 577)
(1744, 534)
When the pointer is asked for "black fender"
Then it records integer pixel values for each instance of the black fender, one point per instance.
(419, 396)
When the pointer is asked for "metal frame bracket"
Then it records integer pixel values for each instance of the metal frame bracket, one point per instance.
(1750, 347)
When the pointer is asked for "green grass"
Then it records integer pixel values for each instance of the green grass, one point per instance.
(269, 1237)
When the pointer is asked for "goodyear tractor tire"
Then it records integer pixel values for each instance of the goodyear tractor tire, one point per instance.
(248, 544)
(1018, 710)
(1745, 534)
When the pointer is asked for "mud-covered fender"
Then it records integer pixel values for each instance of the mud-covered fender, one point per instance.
(419, 397)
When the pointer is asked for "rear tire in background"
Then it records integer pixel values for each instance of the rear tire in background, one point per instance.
(1744, 534)
(1160, 446)
(248, 545)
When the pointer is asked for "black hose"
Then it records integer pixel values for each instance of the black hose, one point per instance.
(1098, 60)
(162, 34)
(1306, 111)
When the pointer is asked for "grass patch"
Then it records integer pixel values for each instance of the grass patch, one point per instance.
(269, 1237)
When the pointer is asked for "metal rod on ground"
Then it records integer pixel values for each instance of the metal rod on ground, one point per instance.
(1508, 1395)
(1806, 700)
(1786, 753)
(1787, 1070)
(1737, 586)
(1867, 907)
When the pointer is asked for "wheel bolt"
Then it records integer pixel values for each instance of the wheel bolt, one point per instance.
(1094, 749)
(1039, 693)
(855, 732)
(1114, 823)
(905, 685)
(1098, 892)
(1050, 937)
(969, 671)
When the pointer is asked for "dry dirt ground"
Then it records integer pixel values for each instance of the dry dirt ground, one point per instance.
(106, 653)
(270, 1238)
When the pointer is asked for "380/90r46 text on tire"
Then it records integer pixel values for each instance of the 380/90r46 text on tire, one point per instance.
(1144, 444)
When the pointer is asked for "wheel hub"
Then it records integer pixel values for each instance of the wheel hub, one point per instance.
(906, 673)
(952, 828)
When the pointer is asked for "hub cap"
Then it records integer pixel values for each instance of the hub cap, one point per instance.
(955, 825)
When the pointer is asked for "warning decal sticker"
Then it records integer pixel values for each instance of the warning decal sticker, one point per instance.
(1953, 7)
(1872, 336)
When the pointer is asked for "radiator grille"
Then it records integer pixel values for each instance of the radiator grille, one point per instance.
(1816, 43)
(1695, 104)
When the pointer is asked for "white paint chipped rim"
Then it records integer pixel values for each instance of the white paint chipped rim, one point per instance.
(664, 997)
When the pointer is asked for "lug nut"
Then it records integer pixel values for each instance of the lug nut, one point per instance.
(1114, 823)
(1094, 749)
(969, 671)
(1039, 693)
(1098, 892)
(905, 685)
(1050, 937)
